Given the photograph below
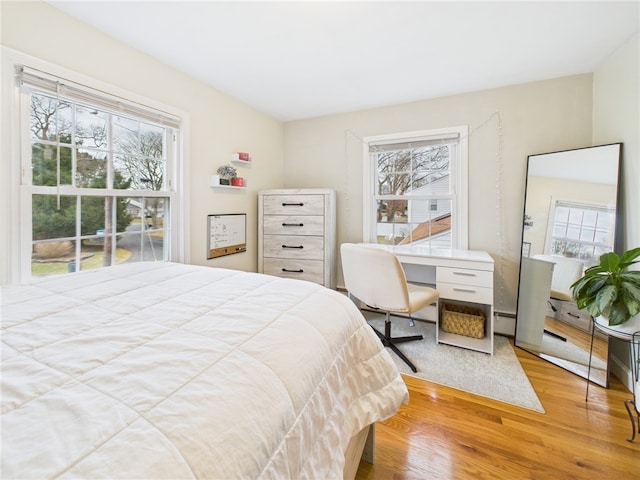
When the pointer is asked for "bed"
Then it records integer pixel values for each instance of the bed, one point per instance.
(166, 370)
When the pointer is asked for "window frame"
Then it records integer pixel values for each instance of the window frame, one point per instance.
(459, 172)
(16, 183)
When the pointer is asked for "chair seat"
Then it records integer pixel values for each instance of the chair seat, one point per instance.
(421, 296)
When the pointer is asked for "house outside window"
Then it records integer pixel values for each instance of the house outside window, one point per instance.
(415, 189)
(99, 178)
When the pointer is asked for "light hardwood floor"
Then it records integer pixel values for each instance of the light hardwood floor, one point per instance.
(443, 433)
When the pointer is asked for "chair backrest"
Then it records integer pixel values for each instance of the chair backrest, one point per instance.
(375, 277)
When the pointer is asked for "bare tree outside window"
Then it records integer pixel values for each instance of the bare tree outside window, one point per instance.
(407, 178)
(71, 146)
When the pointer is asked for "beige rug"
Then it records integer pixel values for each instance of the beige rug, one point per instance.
(499, 376)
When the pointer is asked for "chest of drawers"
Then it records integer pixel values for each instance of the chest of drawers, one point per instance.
(296, 234)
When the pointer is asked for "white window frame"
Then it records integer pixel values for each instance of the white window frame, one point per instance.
(15, 196)
(459, 172)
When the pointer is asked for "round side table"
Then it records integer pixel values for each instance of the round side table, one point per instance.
(628, 332)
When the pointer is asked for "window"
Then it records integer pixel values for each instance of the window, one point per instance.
(582, 231)
(99, 178)
(415, 189)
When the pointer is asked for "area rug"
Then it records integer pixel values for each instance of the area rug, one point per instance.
(499, 376)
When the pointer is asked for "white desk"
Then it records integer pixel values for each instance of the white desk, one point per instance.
(461, 276)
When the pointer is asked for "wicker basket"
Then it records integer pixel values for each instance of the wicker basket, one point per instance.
(462, 320)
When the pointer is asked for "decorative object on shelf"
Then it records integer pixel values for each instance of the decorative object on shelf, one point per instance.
(610, 289)
(237, 182)
(240, 157)
(226, 172)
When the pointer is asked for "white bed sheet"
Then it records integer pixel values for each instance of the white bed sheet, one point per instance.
(164, 370)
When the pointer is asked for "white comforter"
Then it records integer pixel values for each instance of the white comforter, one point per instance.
(165, 370)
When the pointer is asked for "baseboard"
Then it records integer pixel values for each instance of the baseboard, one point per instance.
(504, 323)
(622, 372)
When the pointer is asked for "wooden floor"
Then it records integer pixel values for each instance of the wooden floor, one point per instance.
(444, 433)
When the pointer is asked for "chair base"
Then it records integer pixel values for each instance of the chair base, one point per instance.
(389, 341)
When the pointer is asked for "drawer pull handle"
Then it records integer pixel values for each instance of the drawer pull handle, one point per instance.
(466, 274)
(293, 224)
(466, 290)
(293, 204)
(292, 271)
(292, 246)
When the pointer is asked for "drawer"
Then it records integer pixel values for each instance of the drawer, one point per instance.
(293, 204)
(293, 225)
(290, 246)
(465, 293)
(311, 270)
(464, 276)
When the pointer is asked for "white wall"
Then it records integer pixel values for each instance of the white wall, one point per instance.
(505, 126)
(616, 118)
(219, 125)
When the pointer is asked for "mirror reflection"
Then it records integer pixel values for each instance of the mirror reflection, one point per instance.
(569, 221)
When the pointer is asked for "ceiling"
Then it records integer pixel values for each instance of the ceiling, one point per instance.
(301, 59)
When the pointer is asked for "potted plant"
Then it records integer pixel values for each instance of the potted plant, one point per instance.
(226, 172)
(610, 289)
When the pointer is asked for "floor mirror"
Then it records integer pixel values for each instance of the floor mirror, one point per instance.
(569, 221)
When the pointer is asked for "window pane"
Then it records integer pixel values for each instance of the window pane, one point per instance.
(144, 237)
(50, 118)
(575, 216)
(50, 220)
(53, 257)
(562, 214)
(573, 232)
(91, 128)
(589, 217)
(587, 234)
(91, 169)
(44, 165)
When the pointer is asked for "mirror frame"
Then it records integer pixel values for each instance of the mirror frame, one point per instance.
(537, 292)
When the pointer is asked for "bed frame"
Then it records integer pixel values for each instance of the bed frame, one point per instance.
(360, 448)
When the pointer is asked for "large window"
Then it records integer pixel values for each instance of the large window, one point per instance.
(415, 189)
(98, 177)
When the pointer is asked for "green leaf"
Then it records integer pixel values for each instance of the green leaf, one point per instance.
(609, 261)
(605, 297)
(629, 257)
(618, 314)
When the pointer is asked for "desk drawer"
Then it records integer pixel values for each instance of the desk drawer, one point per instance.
(465, 293)
(293, 225)
(311, 270)
(463, 276)
(292, 246)
(293, 204)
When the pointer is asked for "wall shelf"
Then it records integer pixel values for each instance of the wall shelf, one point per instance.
(241, 162)
(229, 187)
(214, 182)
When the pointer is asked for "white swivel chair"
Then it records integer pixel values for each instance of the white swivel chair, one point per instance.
(376, 278)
